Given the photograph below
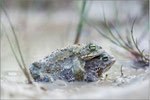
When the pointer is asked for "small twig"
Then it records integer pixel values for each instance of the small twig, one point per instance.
(44, 89)
(121, 71)
(143, 50)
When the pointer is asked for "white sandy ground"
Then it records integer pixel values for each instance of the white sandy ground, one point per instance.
(138, 88)
(11, 90)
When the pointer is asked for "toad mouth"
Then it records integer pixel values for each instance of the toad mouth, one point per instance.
(97, 67)
(106, 67)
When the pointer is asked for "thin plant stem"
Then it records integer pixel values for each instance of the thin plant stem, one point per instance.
(144, 33)
(80, 25)
(121, 70)
(15, 36)
(23, 67)
(12, 49)
(14, 53)
(100, 32)
(112, 33)
(118, 34)
(135, 43)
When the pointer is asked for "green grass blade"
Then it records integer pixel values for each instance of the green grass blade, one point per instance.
(14, 53)
(118, 34)
(80, 25)
(22, 66)
(135, 42)
(100, 32)
(144, 33)
(12, 49)
(118, 24)
(113, 34)
(15, 36)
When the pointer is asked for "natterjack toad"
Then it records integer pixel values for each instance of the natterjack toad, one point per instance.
(78, 62)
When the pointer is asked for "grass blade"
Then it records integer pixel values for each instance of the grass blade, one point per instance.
(12, 49)
(14, 53)
(80, 25)
(22, 66)
(113, 34)
(135, 42)
(15, 36)
(100, 32)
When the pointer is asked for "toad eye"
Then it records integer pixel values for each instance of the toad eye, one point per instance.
(105, 59)
(92, 47)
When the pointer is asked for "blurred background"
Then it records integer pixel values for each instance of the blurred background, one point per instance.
(43, 26)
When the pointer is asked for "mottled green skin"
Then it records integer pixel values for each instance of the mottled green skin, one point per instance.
(71, 59)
